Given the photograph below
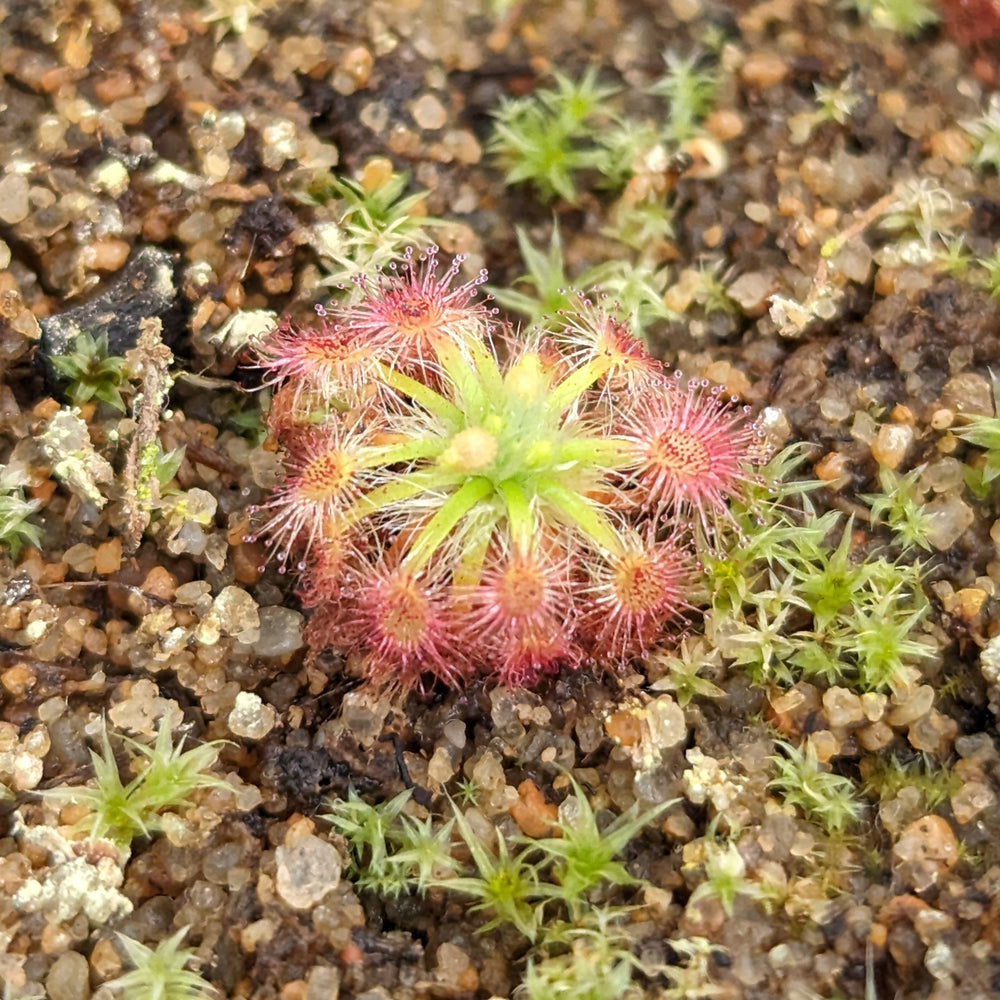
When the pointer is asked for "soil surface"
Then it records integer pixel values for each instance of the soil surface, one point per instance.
(818, 236)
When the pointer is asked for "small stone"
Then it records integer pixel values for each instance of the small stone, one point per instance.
(355, 68)
(159, 583)
(918, 703)
(968, 393)
(104, 960)
(441, 766)
(925, 852)
(306, 871)
(834, 408)
(877, 736)
(69, 978)
(948, 516)
(428, 112)
(952, 144)
(532, 813)
(363, 712)
(970, 800)
(257, 933)
(107, 254)
(724, 124)
(750, 291)
(933, 733)
(892, 444)
(843, 707)
(764, 69)
(833, 468)
(250, 718)
(234, 613)
(454, 967)
(323, 983)
(624, 727)
(280, 632)
(108, 558)
(14, 205)
(686, 10)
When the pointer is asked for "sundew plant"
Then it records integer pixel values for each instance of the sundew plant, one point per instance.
(461, 500)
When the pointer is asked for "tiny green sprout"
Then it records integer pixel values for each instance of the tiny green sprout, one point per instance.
(760, 640)
(903, 17)
(546, 138)
(167, 779)
(985, 134)
(160, 973)
(826, 798)
(546, 276)
(836, 104)
(725, 877)
(983, 431)
(991, 276)
(689, 90)
(643, 225)
(92, 373)
(830, 584)
(956, 259)
(889, 776)
(368, 831)
(158, 467)
(467, 792)
(585, 853)
(374, 226)
(423, 851)
(636, 289)
(691, 977)
(505, 884)
(900, 506)
(589, 962)
(880, 634)
(682, 666)
(16, 530)
(923, 206)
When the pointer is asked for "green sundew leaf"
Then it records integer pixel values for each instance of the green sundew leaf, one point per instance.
(463, 500)
(597, 453)
(430, 400)
(400, 489)
(519, 514)
(405, 451)
(583, 514)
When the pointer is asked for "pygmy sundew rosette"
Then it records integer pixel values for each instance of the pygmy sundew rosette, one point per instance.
(459, 500)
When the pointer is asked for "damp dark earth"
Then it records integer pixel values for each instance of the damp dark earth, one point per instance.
(500, 500)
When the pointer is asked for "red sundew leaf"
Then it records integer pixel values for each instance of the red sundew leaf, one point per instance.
(692, 448)
(408, 312)
(632, 595)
